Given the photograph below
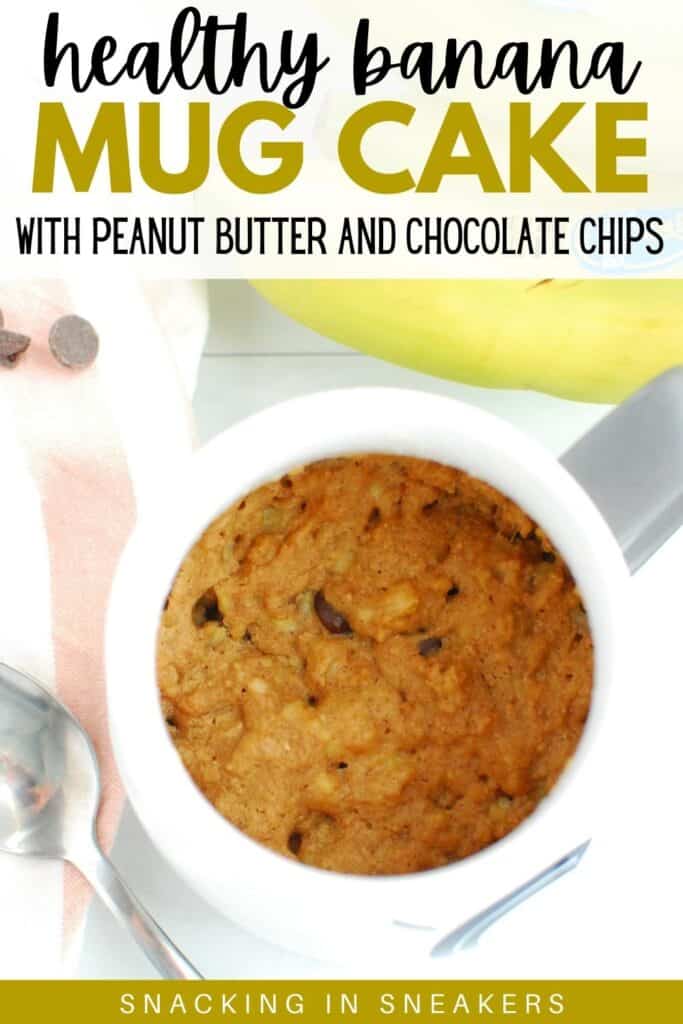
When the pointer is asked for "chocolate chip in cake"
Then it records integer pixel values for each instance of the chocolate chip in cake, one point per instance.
(453, 592)
(432, 645)
(548, 556)
(12, 346)
(74, 342)
(312, 701)
(294, 842)
(374, 517)
(206, 609)
(342, 765)
(332, 620)
(444, 798)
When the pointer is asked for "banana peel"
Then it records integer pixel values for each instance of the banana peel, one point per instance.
(591, 340)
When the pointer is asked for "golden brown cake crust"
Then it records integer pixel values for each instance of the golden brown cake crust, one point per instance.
(375, 665)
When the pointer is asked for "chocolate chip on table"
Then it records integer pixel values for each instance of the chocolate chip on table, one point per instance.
(12, 346)
(74, 342)
(294, 842)
(432, 645)
(206, 609)
(332, 620)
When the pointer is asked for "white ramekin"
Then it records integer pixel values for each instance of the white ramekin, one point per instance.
(320, 913)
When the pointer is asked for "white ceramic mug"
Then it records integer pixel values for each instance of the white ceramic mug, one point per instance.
(320, 913)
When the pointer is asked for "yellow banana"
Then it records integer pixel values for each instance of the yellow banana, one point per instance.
(593, 340)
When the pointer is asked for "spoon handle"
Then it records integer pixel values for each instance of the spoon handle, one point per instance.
(117, 897)
(468, 933)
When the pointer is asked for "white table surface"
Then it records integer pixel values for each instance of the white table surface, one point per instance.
(618, 915)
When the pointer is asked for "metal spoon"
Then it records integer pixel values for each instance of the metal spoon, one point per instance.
(49, 798)
(466, 934)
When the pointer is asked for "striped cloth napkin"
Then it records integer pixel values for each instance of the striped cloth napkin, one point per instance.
(79, 452)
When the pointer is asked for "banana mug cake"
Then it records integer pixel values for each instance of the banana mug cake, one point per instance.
(375, 665)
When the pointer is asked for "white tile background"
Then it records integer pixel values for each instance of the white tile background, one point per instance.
(619, 914)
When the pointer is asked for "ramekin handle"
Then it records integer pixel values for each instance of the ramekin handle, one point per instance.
(631, 465)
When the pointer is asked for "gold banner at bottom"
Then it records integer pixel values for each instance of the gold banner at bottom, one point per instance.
(365, 1002)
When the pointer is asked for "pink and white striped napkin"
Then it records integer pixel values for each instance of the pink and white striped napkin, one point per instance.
(79, 451)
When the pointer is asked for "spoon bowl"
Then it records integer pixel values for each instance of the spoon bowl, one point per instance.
(49, 798)
(49, 777)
